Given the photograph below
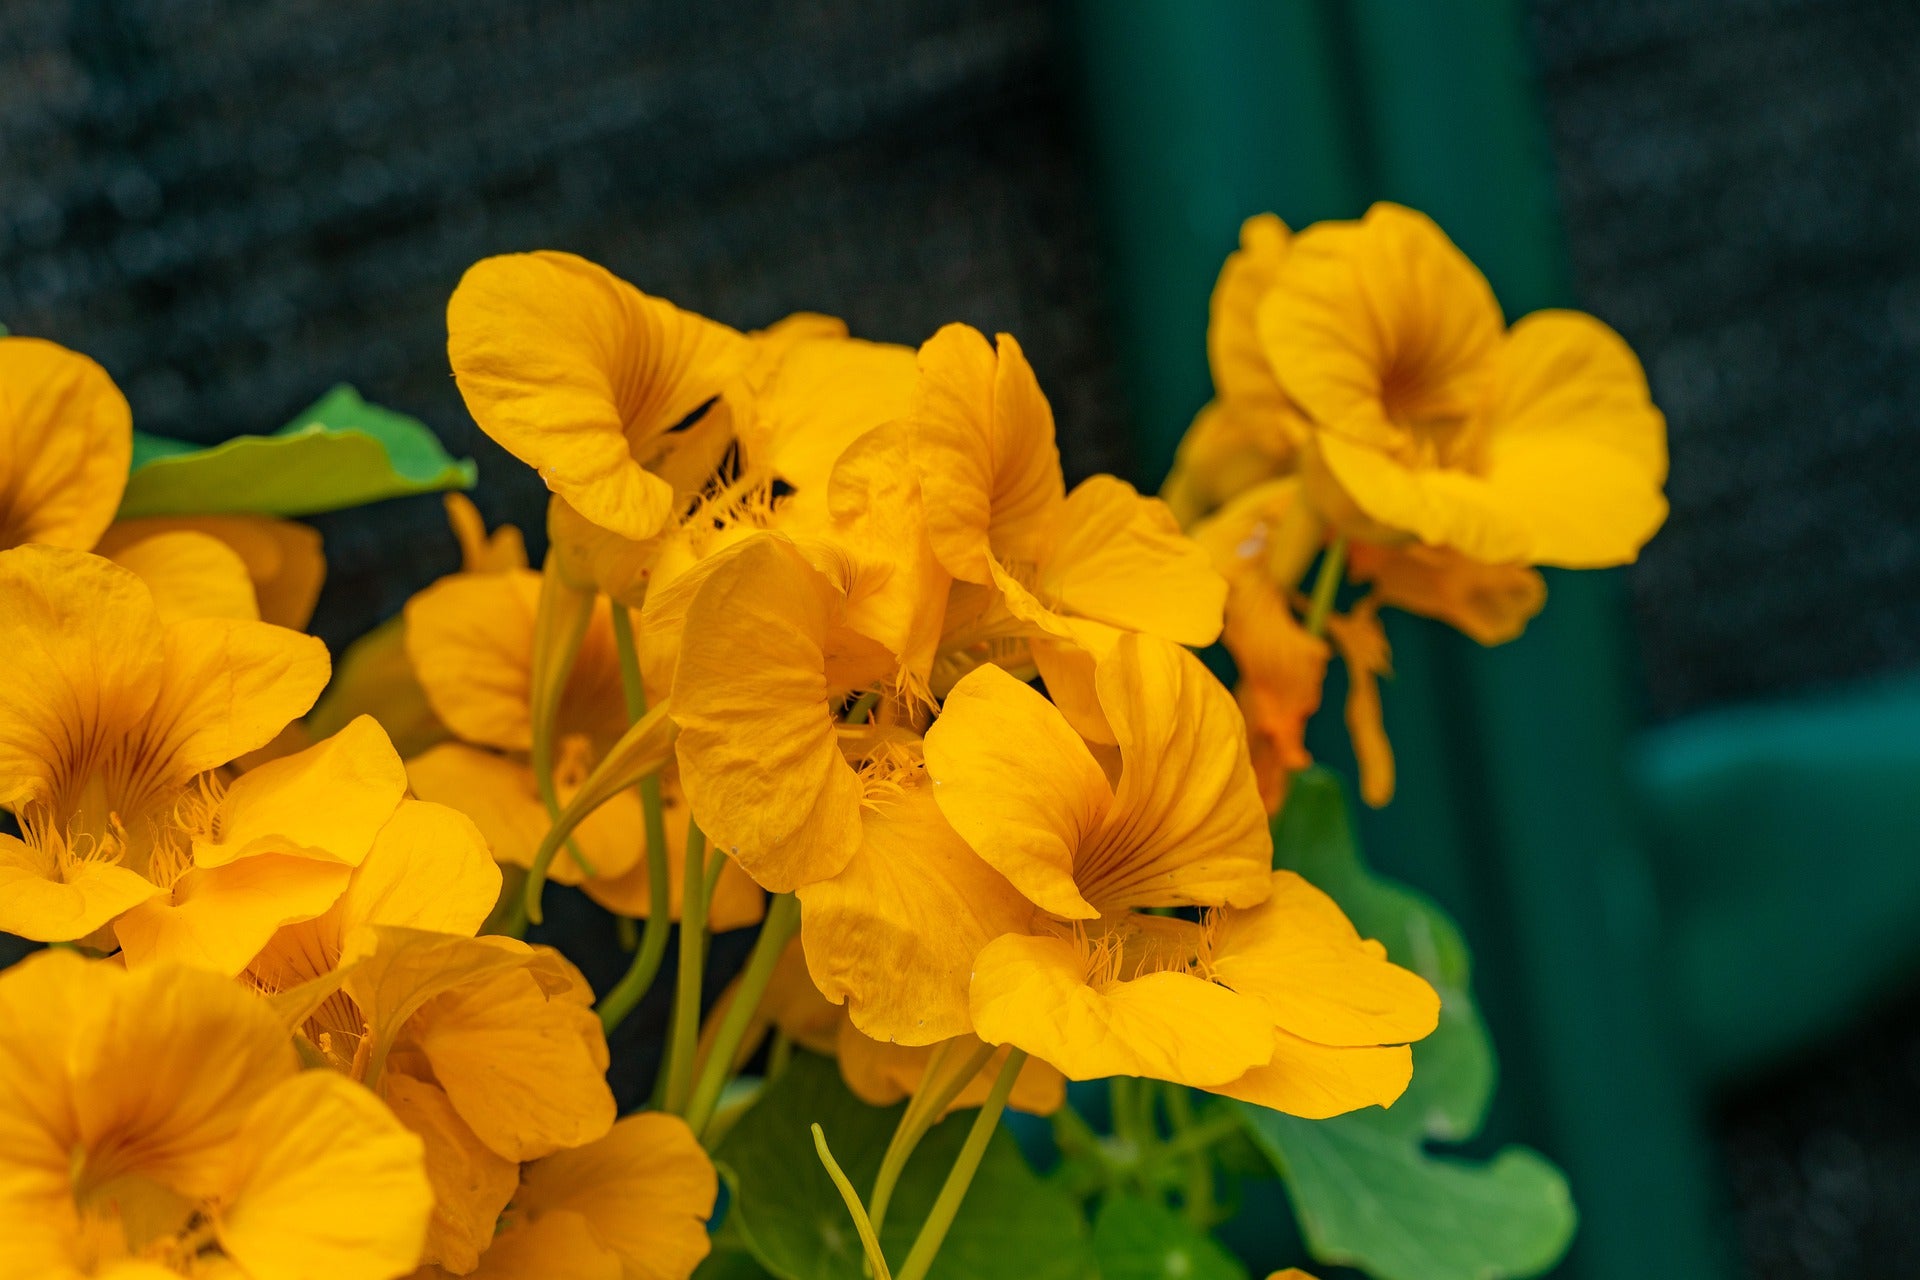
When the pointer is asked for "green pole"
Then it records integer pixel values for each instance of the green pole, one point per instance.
(1512, 807)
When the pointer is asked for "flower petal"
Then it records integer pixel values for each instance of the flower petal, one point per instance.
(470, 639)
(282, 557)
(191, 575)
(1120, 558)
(984, 449)
(1032, 992)
(871, 942)
(1363, 647)
(66, 435)
(1299, 955)
(1318, 1082)
(581, 376)
(227, 687)
(560, 1244)
(823, 394)
(471, 1185)
(171, 1114)
(759, 758)
(1492, 603)
(645, 1190)
(220, 917)
(526, 1071)
(330, 1183)
(1378, 326)
(37, 902)
(1018, 785)
(1187, 825)
(327, 802)
(82, 640)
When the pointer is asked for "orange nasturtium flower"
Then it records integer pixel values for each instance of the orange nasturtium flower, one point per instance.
(113, 725)
(158, 1124)
(1431, 420)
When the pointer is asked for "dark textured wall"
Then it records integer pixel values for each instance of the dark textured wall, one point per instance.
(233, 204)
(1741, 180)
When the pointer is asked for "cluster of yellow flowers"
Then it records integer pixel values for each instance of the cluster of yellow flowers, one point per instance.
(822, 643)
(1369, 401)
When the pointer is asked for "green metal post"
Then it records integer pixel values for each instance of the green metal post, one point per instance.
(1512, 808)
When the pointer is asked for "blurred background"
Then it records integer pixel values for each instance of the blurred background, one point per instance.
(1678, 820)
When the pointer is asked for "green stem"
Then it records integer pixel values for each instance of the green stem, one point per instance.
(783, 919)
(1332, 568)
(638, 980)
(1199, 1203)
(551, 669)
(1201, 1136)
(685, 1034)
(869, 1238)
(930, 1100)
(933, 1232)
(779, 1055)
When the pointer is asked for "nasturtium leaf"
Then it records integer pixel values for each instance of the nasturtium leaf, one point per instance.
(1366, 1190)
(340, 452)
(730, 1263)
(784, 1208)
(1140, 1239)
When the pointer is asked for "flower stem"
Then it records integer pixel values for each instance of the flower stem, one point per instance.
(638, 980)
(869, 1238)
(933, 1232)
(930, 1100)
(783, 918)
(560, 625)
(1332, 568)
(685, 1034)
(1198, 1199)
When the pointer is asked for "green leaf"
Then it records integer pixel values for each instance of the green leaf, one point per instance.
(785, 1209)
(1140, 1239)
(340, 452)
(730, 1264)
(1367, 1192)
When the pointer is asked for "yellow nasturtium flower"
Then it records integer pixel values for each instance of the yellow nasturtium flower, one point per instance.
(1431, 420)
(632, 1205)
(585, 378)
(471, 639)
(158, 1124)
(485, 1047)
(1270, 996)
(66, 442)
(1071, 570)
(113, 723)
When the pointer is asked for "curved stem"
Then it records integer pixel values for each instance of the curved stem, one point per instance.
(1332, 568)
(923, 1112)
(869, 1238)
(638, 980)
(685, 1035)
(560, 624)
(933, 1232)
(783, 918)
